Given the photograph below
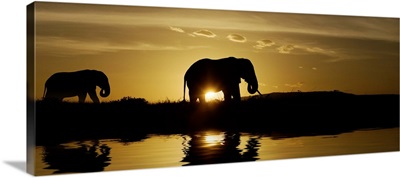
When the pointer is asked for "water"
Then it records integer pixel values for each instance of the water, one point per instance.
(207, 147)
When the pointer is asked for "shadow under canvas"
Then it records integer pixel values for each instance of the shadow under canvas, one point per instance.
(19, 165)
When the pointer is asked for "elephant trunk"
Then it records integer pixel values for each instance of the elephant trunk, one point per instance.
(105, 91)
(252, 87)
(249, 75)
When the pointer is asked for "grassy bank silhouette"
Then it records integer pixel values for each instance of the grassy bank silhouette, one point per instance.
(281, 114)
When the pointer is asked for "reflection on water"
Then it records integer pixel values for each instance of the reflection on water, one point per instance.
(206, 148)
(153, 151)
(77, 157)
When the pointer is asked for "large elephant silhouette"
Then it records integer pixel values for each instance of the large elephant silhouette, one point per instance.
(219, 75)
(78, 83)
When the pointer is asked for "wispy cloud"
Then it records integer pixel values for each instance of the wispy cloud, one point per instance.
(237, 38)
(320, 50)
(313, 68)
(285, 49)
(177, 29)
(263, 43)
(336, 26)
(296, 85)
(205, 33)
(331, 54)
(58, 46)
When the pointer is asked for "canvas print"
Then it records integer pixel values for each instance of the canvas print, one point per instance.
(113, 87)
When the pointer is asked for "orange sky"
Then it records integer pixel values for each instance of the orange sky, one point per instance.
(145, 51)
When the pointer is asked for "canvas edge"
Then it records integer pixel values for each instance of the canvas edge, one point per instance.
(30, 72)
(31, 80)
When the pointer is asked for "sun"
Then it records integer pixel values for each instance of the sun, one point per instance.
(211, 140)
(211, 96)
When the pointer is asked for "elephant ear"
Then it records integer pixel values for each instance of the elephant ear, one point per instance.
(233, 70)
(242, 66)
(246, 69)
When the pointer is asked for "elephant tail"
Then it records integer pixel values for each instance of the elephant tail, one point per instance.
(184, 89)
(44, 92)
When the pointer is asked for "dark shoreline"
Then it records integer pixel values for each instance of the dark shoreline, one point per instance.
(286, 114)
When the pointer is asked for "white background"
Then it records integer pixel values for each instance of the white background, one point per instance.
(13, 97)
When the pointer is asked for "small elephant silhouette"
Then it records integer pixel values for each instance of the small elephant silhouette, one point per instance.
(78, 83)
(219, 75)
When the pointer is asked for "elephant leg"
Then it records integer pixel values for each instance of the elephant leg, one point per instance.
(236, 93)
(202, 98)
(82, 97)
(227, 95)
(94, 97)
(54, 96)
(192, 96)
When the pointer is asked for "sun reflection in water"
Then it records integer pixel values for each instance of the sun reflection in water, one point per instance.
(213, 139)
